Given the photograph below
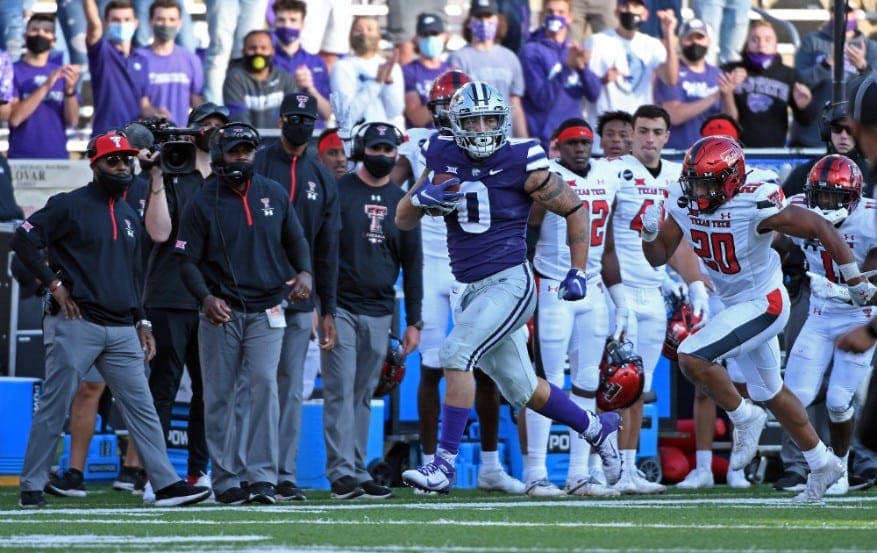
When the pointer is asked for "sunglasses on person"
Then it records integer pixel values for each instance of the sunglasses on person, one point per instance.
(837, 129)
(114, 160)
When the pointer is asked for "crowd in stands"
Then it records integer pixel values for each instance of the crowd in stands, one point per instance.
(345, 107)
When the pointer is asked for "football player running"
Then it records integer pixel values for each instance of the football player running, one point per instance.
(439, 292)
(728, 224)
(486, 220)
(575, 328)
(644, 179)
(833, 191)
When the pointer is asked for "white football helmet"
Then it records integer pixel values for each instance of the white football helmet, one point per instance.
(480, 119)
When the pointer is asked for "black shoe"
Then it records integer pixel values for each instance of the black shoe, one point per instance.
(262, 492)
(233, 496)
(870, 473)
(140, 480)
(790, 481)
(125, 479)
(859, 483)
(373, 490)
(180, 493)
(32, 500)
(346, 487)
(288, 491)
(69, 485)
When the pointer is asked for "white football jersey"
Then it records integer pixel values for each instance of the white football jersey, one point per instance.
(638, 190)
(738, 258)
(597, 191)
(860, 234)
(433, 232)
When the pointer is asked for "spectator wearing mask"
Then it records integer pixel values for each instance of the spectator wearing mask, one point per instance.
(308, 69)
(700, 91)
(765, 90)
(419, 74)
(254, 88)
(44, 100)
(556, 72)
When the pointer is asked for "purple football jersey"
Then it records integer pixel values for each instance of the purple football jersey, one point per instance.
(486, 233)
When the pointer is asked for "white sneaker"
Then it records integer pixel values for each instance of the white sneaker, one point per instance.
(696, 479)
(626, 484)
(499, 480)
(149, 493)
(737, 479)
(819, 480)
(589, 487)
(841, 487)
(746, 437)
(597, 475)
(645, 485)
(543, 488)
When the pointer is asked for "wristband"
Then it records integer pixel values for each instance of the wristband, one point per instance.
(618, 295)
(70, 94)
(850, 271)
(158, 191)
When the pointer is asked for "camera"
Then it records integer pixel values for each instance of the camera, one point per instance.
(177, 154)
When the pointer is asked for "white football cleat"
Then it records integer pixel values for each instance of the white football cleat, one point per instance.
(737, 479)
(543, 488)
(819, 480)
(697, 479)
(499, 481)
(746, 438)
(589, 487)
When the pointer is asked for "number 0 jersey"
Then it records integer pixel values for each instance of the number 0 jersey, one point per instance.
(638, 190)
(597, 191)
(486, 233)
(738, 258)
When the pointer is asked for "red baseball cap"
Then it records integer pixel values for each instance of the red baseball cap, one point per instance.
(108, 144)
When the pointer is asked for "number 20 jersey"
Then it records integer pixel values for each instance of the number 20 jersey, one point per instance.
(738, 258)
(486, 233)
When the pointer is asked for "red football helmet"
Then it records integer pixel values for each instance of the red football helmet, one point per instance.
(834, 183)
(621, 376)
(712, 172)
(443, 87)
(393, 370)
(679, 327)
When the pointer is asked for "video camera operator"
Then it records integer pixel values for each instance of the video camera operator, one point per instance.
(170, 305)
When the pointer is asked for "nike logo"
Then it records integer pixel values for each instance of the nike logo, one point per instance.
(494, 172)
(434, 483)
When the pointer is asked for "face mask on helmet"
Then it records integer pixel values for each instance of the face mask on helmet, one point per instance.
(680, 325)
(479, 119)
(704, 194)
(834, 187)
(621, 376)
(393, 370)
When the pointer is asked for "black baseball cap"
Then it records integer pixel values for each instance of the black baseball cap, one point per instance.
(207, 109)
(381, 133)
(299, 103)
(483, 7)
(429, 23)
(237, 133)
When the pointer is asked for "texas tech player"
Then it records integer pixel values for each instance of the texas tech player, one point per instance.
(486, 222)
(728, 224)
(577, 328)
(833, 190)
(644, 178)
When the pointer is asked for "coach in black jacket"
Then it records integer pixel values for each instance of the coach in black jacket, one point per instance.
(314, 195)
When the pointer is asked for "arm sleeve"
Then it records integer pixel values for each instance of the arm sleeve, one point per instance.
(412, 273)
(193, 279)
(294, 243)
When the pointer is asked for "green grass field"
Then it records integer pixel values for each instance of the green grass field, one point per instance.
(720, 519)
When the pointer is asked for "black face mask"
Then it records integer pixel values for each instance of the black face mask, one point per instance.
(37, 43)
(235, 173)
(379, 166)
(114, 185)
(298, 133)
(630, 21)
(694, 52)
(256, 63)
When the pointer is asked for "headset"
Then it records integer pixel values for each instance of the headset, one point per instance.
(357, 151)
(91, 149)
(220, 133)
(831, 112)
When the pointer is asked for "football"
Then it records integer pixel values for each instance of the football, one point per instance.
(439, 178)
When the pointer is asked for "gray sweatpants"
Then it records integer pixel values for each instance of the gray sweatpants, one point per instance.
(350, 375)
(245, 346)
(116, 352)
(290, 374)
